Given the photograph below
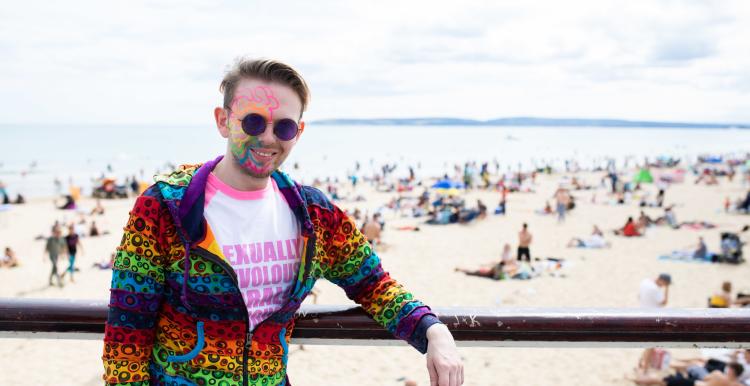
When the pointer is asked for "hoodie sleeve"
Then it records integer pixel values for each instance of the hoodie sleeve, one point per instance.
(350, 263)
(136, 293)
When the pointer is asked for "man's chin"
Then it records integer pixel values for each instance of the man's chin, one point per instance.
(247, 170)
(256, 174)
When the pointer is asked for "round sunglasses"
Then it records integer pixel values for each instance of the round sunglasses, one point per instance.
(255, 124)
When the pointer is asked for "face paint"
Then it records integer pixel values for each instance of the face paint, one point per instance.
(260, 97)
(260, 100)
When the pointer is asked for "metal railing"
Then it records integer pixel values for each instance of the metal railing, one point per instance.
(471, 327)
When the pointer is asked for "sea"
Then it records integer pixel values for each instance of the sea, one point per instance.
(32, 157)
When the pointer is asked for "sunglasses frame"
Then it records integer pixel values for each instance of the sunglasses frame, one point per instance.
(265, 126)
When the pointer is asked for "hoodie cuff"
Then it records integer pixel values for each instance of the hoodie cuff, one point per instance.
(418, 338)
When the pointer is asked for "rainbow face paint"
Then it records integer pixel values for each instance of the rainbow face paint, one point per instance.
(259, 156)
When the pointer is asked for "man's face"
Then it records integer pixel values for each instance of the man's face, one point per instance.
(258, 156)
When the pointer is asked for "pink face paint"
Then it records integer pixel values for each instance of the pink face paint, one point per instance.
(257, 99)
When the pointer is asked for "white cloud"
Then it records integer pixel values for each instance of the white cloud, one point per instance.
(161, 62)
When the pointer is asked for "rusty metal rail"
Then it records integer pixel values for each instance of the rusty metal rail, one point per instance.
(471, 327)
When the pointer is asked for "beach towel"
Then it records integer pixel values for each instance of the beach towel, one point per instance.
(687, 257)
(697, 225)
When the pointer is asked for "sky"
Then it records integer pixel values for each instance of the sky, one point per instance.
(160, 63)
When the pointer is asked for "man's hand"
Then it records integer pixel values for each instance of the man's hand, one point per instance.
(443, 362)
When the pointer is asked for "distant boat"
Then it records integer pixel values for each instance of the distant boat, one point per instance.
(510, 138)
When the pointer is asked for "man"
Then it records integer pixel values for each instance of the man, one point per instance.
(655, 293)
(562, 199)
(524, 241)
(216, 258)
(371, 230)
(54, 247)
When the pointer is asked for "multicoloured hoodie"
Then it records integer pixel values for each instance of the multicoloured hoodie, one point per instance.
(176, 314)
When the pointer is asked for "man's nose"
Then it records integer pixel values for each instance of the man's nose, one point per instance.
(267, 137)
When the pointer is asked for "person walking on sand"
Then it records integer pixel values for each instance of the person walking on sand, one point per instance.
(54, 247)
(562, 199)
(524, 241)
(217, 257)
(73, 244)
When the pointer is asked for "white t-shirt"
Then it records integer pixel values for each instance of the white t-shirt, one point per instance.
(259, 236)
(650, 295)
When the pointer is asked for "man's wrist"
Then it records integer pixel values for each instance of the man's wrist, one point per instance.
(435, 330)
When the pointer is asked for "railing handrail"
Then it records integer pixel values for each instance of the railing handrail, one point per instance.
(478, 327)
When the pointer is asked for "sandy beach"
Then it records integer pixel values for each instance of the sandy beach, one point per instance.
(424, 262)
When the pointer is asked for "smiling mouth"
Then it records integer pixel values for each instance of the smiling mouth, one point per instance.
(263, 153)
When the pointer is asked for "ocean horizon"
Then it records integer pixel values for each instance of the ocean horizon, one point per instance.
(34, 155)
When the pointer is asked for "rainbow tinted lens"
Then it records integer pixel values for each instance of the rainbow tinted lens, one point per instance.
(255, 124)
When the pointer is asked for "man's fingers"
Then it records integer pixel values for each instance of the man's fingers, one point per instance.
(433, 373)
(462, 374)
(456, 377)
(444, 376)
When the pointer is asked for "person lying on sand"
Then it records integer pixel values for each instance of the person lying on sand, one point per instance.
(596, 240)
(105, 264)
(707, 177)
(498, 271)
(507, 267)
(716, 378)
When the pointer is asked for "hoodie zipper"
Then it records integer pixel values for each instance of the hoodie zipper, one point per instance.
(228, 268)
(248, 334)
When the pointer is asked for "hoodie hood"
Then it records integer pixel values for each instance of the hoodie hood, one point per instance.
(184, 193)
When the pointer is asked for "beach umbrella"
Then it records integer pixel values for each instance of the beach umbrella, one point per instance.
(449, 192)
(643, 176)
(447, 184)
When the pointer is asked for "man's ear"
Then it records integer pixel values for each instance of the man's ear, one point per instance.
(221, 117)
(301, 128)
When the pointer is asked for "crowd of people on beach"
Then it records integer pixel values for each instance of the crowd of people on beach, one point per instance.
(443, 201)
(64, 241)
